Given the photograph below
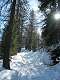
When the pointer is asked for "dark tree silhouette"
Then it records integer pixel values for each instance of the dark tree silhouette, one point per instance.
(51, 29)
(7, 38)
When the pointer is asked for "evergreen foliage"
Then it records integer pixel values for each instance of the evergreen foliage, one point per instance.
(12, 35)
(34, 40)
(51, 28)
(7, 39)
(31, 41)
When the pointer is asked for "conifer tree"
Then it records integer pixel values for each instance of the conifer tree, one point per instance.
(30, 30)
(31, 42)
(7, 38)
(15, 31)
(51, 30)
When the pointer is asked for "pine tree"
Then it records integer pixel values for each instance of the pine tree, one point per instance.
(51, 30)
(29, 32)
(16, 31)
(34, 40)
(7, 38)
(12, 36)
(31, 40)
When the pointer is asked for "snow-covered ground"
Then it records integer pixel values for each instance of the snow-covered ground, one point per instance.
(29, 65)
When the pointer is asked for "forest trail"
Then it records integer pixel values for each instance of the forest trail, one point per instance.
(29, 65)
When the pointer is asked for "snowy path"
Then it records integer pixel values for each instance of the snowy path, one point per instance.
(30, 66)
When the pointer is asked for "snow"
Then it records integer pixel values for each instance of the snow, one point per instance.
(29, 65)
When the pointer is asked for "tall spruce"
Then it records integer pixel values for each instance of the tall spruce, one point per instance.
(31, 34)
(16, 31)
(51, 29)
(12, 35)
(7, 38)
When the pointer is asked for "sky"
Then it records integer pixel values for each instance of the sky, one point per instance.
(34, 4)
(38, 15)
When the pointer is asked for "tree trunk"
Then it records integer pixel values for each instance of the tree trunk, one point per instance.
(7, 41)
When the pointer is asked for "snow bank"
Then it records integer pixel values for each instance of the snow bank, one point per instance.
(29, 65)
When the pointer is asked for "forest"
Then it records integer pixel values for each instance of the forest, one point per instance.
(30, 39)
